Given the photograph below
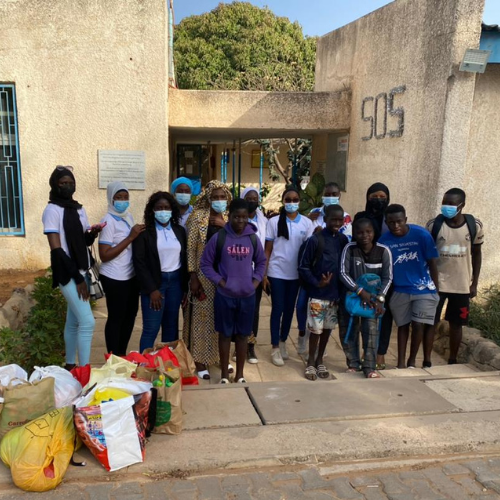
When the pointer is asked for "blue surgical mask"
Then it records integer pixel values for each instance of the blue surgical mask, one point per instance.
(183, 198)
(219, 206)
(330, 200)
(121, 206)
(449, 211)
(291, 207)
(163, 216)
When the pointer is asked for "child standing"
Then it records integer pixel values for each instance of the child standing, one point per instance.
(361, 257)
(319, 269)
(227, 262)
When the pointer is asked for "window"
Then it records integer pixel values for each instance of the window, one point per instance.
(11, 201)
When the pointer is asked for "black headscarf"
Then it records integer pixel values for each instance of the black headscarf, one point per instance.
(374, 209)
(73, 229)
(282, 224)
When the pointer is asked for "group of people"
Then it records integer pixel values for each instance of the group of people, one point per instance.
(216, 258)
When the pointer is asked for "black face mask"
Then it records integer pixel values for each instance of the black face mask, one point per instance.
(66, 192)
(377, 205)
(252, 206)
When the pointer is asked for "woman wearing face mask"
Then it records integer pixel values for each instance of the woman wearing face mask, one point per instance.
(377, 200)
(182, 188)
(159, 256)
(208, 217)
(117, 273)
(285, 234)
(69, 234)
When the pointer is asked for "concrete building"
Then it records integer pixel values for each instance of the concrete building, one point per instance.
(390, 104)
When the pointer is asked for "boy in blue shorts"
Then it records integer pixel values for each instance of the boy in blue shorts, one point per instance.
(319, 270)
(415, 280)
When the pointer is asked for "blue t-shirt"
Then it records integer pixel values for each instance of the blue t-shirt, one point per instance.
(410, 254)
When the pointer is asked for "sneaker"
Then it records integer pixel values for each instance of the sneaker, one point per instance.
(251, 356)
(284, 351)
(302, 344)
(276, 357)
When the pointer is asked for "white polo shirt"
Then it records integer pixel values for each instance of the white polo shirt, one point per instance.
(169, 249)
(283, 262)
(121, 268)
(260, 222)
(52, 220)
(183, 218)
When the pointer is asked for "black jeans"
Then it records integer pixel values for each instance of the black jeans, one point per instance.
(122, 301)
(386, 327)
(258, 298)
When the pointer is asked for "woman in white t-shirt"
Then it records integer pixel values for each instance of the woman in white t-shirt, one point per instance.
(69, 234)
(117, 269)
(160, 262)
(285, 234)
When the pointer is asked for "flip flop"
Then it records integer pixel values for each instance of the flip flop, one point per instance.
(373, 375)
(380, 366)
(311, 373)
(204, 375)
(351, 370)
(322, 371)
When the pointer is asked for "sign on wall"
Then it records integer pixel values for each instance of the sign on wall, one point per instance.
(126, 166)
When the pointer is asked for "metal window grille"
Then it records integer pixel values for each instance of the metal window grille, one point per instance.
(11, 201)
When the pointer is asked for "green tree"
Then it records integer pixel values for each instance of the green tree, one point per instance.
(239, 46)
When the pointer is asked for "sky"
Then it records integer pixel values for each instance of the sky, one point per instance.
(317, 17)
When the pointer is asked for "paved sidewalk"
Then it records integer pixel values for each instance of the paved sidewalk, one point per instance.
(455, 480)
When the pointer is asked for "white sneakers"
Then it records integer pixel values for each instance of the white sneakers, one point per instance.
(276, 357)
(284, 351)
(302, 344)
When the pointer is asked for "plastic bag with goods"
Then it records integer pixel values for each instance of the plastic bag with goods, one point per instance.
(66, 387)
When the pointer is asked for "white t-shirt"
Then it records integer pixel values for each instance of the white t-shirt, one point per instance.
(52, 220)
(283, 262)
(169, 249)
(260, 222)
(183, 218)
(121, 268)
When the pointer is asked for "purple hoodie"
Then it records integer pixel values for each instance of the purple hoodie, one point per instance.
(236, 261)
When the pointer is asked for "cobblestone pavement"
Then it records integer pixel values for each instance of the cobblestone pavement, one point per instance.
(462, 480)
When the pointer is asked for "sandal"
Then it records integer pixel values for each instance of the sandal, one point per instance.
(224, 381)
(322, 371)
(241, 381)
(373, 375)
(230, 368)
(380, 366)
(204, 375)
(311, 373)
(351, 370)
(426, 364)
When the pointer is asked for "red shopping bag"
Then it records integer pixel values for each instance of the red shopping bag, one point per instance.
(82, 374)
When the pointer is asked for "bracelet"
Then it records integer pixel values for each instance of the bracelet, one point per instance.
(359, 290)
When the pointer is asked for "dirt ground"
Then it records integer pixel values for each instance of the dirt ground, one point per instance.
(16, 278)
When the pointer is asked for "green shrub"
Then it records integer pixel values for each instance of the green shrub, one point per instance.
(41, 341)
(485, 314)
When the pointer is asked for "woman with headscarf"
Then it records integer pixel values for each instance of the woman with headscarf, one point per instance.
(69, 234)
(182, 189)
(159, 255)
(208, 217)
(259, 220)
(117, 272)
(377, 200)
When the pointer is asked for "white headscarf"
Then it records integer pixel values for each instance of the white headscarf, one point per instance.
(249, 189)
(112, 189)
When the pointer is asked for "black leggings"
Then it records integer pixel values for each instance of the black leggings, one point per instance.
(386, 327)
(122, 301)
(258, 298)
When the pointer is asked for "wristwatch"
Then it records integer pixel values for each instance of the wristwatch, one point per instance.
(381, 298)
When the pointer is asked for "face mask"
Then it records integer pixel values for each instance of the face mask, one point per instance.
(66, 192)
(377, 205)
(449, 211)
(331, 200)
(219, 205)
(163, 216)
(291, 207)
(252, 206)
(121, 206)
(183, 198)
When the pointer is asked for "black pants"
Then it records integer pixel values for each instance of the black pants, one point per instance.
(258, 298)
(385, 327)
(122, 301)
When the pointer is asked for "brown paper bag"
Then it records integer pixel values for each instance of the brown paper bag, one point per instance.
(26, 402)
(169, 404)
(186, 361)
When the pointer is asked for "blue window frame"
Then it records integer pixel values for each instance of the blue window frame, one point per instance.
(11, 199)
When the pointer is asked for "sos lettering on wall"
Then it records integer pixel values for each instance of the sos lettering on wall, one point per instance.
(376, 110)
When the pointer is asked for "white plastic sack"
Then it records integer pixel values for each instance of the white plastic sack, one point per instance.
(9, 372)
(114, 367)
(66, 387)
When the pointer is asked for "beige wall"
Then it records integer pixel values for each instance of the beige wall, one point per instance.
(417, 44)
(482, 174)
(89, 76)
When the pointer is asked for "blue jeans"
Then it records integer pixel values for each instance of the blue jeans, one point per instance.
(301, 309)
(283, 297)
(167, 317)
(79, 327)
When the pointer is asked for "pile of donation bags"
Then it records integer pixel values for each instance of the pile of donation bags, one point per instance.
(111, 410)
